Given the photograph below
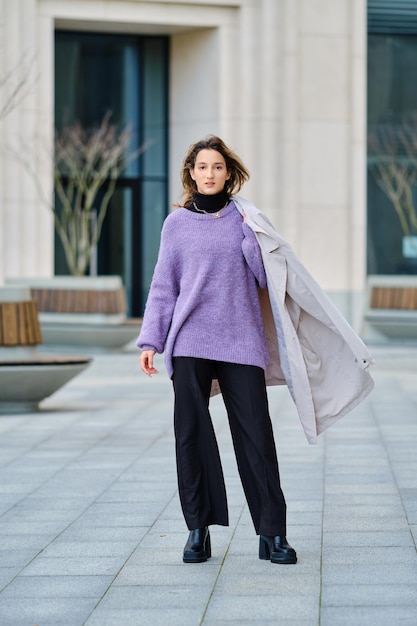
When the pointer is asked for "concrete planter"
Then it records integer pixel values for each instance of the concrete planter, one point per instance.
(391, 311)
(77, 299)
(26, 376)
(24, 384)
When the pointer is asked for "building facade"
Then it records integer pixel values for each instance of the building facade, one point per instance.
(283, 82)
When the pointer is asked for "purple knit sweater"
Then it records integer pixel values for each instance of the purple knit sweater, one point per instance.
(203, 300)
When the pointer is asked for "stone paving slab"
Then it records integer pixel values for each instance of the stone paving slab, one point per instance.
(92, 531)
(381, 616)
(47, 612)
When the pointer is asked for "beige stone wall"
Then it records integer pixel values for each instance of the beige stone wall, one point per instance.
(26, 231)
(282, 81)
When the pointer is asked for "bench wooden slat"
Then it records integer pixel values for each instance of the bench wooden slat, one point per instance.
(9, 323)
(29, 330)
(22, 330)
(35, 325)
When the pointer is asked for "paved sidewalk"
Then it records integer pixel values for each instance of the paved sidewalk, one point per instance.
(92, 533)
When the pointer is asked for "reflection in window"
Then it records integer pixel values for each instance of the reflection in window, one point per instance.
(392, 139)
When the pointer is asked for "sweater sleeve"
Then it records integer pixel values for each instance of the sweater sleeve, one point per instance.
(253, 255)
(162, 296)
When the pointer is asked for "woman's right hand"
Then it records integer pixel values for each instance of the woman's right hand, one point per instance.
(146, 362)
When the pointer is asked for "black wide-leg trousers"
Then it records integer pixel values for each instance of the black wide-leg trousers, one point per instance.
(200, 476)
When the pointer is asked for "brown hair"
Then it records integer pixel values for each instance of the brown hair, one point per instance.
(238, 172)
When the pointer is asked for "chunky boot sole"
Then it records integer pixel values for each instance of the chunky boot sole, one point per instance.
(282, 557)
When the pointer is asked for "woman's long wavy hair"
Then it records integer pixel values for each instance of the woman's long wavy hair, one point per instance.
(238, 172)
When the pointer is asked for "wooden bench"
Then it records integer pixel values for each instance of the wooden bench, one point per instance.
(19, 324)
(77, 300)
(104, 302)
(392, 306)
(399, 298)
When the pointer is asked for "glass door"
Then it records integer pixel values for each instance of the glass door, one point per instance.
(97, 74)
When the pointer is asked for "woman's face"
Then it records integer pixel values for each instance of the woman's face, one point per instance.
(209, 172)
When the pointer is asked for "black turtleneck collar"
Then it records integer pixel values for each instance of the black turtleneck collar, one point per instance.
(209, 203)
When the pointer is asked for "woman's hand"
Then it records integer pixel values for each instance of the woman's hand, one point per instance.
(146, 362)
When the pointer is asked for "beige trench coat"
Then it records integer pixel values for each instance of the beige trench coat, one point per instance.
(312, 348)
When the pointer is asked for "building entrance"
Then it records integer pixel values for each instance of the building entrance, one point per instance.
(127, 76)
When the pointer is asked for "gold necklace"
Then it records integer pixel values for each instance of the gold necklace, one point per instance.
(217, 214)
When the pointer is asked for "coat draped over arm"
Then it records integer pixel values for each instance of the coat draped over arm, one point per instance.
(312, 348)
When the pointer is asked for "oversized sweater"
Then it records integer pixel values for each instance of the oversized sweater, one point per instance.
(203, 301)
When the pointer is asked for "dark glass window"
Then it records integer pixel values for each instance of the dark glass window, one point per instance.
(392, 137)
(127, 76)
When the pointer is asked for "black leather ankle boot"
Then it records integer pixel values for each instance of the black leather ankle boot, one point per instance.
(198, 547)
(276, 549)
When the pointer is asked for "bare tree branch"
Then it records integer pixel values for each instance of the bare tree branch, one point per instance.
(393, 152)
(87, 164)
(19, 81)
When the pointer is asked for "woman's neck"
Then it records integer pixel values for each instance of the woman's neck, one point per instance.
(211, 204)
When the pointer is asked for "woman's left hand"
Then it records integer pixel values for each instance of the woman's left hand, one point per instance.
(146, 362)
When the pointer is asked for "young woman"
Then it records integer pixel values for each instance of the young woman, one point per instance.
(203, 311)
